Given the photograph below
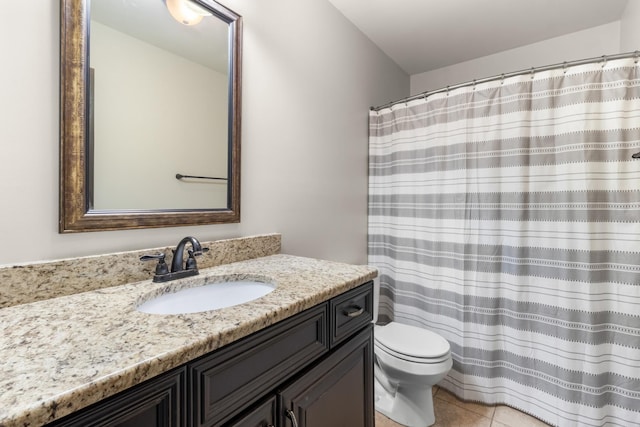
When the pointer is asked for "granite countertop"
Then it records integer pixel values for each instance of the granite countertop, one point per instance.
(63, 354)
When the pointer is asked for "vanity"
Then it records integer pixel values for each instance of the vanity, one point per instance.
(301, 355)
(314, 368)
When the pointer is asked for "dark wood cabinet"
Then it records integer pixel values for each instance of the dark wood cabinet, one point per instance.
(240, 374)
(316, 367)
(158, 402)
(338, 392)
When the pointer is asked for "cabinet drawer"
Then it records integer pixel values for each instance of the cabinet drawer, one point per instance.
(238, 375)
(158, 402)
(350, 312)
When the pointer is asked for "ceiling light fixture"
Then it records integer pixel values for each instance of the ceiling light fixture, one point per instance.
(185, 11)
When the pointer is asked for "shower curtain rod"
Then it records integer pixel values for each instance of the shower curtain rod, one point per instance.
(532, 70)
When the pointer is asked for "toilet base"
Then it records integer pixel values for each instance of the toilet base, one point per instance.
(416, 411)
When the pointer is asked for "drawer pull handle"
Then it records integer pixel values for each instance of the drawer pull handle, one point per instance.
(292, 417)
(353, 311)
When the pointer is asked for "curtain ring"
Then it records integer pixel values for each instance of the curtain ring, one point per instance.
(474, 84)
(636, 56)
(532, 73)
(564, 67)
(604, 61)
(447, 90)
(501, 79)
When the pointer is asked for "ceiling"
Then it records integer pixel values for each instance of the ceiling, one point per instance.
(424, 35)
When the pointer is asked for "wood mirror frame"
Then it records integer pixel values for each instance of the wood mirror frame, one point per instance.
(76, 214)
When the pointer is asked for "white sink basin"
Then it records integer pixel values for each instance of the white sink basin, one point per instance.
(207, 297)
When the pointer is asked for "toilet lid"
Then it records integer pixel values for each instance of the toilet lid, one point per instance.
(411, 341)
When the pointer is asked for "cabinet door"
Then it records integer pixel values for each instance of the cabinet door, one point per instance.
(263, 415)
(155, 403)
(338, 392)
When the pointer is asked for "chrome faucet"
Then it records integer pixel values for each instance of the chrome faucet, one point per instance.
(179, 267)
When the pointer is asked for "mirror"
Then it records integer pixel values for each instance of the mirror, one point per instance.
(150, 114)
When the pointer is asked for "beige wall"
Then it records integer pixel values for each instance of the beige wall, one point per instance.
(590, 43)
(630, 27)
(309, 79)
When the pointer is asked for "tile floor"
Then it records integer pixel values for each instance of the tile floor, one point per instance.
(451, 412)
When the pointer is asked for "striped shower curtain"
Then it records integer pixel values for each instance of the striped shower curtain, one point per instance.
(505, 217)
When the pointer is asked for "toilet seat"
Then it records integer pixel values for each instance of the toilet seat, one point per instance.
(411, 343)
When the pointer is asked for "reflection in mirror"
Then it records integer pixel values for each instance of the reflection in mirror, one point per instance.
(160, 100)
(160, 145)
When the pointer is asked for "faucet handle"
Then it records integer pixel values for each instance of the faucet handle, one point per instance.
(191, 261)
(193, 253)
(161, 267)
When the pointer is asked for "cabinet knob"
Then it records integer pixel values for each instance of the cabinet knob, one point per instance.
(292, 417)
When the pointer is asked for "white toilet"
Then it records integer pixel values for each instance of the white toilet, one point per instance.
(409, 361)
